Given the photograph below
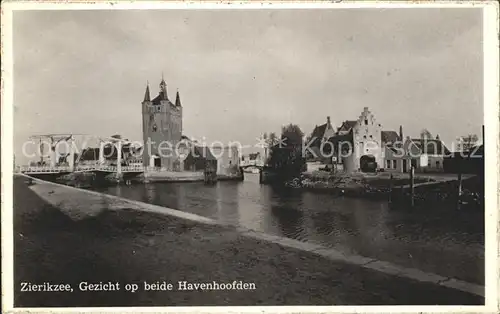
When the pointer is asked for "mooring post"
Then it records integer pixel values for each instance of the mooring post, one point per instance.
(390, 189)
(459, 188)
(412, 186)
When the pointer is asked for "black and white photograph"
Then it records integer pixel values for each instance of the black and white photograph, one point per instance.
(208, 156)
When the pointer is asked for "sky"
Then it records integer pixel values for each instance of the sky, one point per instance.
(241, 73)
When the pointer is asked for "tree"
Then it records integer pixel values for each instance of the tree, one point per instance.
(287, 160)
(292, 134)
(266, 144)
(468, 141)
(272, 139)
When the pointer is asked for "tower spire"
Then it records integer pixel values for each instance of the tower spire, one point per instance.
(178, 99)
(146, 95)
(163, 88)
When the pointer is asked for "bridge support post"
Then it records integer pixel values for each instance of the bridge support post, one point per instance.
(53, 157)
(71, 156)
(101, 153)
(119, 158)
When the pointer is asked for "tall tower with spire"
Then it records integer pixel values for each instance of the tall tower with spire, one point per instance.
(161, 128)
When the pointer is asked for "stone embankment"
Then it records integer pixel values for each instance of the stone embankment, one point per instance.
(427, 188)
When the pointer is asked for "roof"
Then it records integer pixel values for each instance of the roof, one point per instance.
(146, 94)
(341, 138)
(430, 146)
(318, 132)
(157, 100)
(347, 125)
(390, 136)
(253, 156)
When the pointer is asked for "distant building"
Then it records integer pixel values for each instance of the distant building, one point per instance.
(252, 159)
(424, 154)
(228, 159)
(198, 158)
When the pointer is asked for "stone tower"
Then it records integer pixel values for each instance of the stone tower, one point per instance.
(161, 129)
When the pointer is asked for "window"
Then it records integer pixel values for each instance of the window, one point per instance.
(154, 127)
(388, 164)
(371, 136)
(437, 164)
(394, 164)
(366, 121)
(364, 137)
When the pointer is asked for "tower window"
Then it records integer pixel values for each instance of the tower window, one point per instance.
(366, 121)
(155, 128)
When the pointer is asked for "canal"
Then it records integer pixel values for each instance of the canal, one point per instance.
(449, 243)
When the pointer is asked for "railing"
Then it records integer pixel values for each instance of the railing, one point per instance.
(43, 169)
(59, 169)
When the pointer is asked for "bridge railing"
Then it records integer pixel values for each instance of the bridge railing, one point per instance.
(57, 169)
(86, 168)
(134, 168)
(43, 169)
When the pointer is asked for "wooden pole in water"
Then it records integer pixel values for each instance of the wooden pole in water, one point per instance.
(390, 189)
(459, 188)
(412, 186)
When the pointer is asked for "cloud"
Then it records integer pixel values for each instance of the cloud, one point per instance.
(248, 71)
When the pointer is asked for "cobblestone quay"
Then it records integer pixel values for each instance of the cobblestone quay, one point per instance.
(133, 247)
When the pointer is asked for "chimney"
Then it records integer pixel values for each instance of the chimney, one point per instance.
(328, 121)
(437, 137)
(401, 132)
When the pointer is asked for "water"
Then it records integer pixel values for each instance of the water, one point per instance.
(434, 240)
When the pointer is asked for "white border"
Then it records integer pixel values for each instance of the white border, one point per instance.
(491, 112)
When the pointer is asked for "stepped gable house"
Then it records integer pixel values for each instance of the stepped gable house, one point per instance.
(356, 143)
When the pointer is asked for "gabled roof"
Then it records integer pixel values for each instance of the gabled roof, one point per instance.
(341, 138)
(347, 125)
(389, 136)
(430, 146)
(319, 131)
(253, 156)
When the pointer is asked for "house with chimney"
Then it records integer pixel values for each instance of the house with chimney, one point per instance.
(425, 154)
(318, 139)
(393, 150)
